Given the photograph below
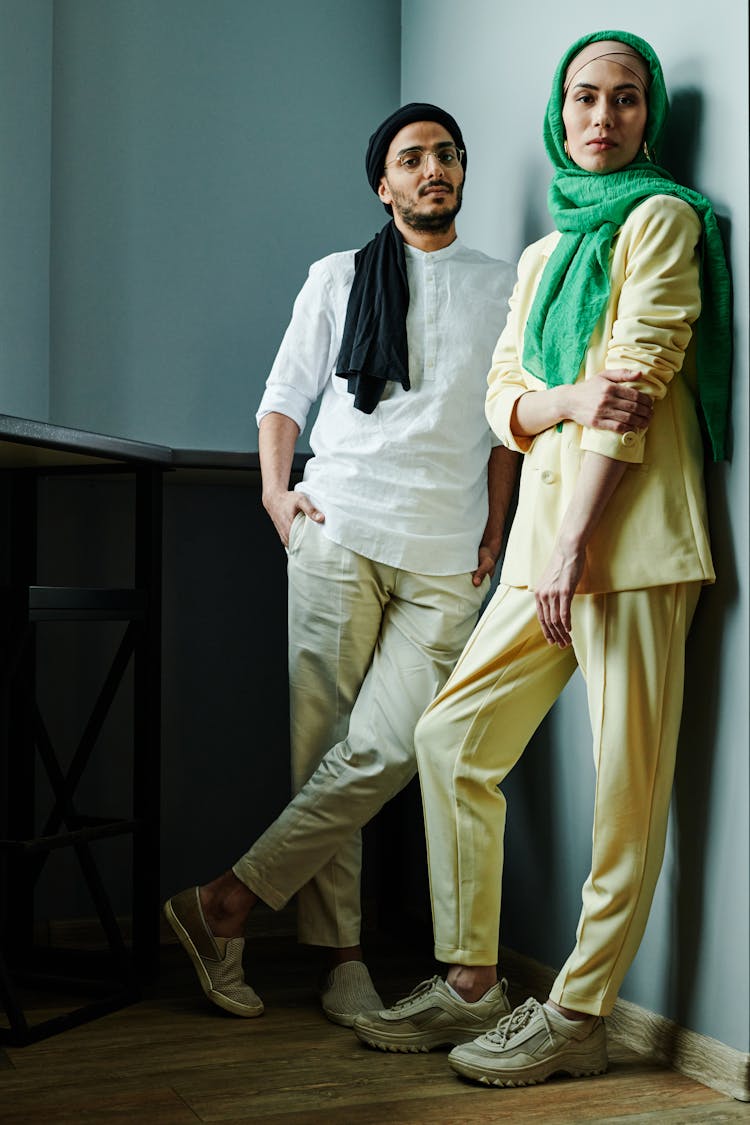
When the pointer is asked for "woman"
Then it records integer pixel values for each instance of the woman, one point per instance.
(605, 561)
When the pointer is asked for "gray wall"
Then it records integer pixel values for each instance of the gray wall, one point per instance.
(200, 155)
(25, 122)
(203, 155)
(693, 964)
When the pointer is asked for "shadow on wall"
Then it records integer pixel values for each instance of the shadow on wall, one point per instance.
(536, 220)
(697, 751)
(703, 673)
(226, 714)
(685, 120)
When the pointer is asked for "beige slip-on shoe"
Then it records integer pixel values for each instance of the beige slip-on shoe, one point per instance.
(217, 960)
(347, 991)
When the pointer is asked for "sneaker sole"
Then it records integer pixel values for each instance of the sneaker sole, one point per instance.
(224, 1002)
(586, 1066)
(414, 1045)
(343, 1019)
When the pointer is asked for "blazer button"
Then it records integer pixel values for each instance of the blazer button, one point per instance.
(629, 438)
(548, 476)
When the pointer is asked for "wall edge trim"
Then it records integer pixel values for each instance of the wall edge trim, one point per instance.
(697, 1056)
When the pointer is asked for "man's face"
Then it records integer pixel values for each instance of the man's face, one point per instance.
(429, 198)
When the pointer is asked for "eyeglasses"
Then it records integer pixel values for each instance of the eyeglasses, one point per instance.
(414, 159)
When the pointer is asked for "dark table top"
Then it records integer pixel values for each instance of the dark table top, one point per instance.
(25, 443)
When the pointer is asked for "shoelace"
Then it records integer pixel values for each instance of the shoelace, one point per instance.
(420, 990)
(517, 1021)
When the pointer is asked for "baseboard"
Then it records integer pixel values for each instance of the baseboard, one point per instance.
(697, 1056)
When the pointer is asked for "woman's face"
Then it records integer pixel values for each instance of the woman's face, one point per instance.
(605, 110)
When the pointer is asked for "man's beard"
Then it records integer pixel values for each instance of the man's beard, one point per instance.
(434, 224)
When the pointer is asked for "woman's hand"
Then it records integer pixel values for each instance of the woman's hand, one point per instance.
(606, 402)
(603, 402)
(598, 478)
(555, 590)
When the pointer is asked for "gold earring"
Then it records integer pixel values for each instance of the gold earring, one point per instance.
(565, 146)
(646, 153)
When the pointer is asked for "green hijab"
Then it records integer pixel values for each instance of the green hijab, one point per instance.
(588, 209)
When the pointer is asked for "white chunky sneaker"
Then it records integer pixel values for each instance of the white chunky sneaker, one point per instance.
(431, 1016)
(530, 1045)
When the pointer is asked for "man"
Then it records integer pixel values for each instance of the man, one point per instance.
(392, 539)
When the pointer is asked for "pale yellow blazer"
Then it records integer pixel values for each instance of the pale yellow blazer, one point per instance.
(654, 529)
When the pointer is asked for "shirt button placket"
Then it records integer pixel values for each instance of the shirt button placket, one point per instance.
(430, 353)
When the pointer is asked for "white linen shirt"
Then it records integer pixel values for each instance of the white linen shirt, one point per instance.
(406, 485)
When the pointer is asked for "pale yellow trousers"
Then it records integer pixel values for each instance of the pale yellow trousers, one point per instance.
(369, 646)
(630, 648)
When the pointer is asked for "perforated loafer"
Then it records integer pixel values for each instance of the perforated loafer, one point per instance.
(217, 960)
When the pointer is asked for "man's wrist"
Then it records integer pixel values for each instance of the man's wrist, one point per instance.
(271, 496)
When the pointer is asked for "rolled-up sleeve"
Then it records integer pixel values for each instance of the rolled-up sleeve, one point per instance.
(658, 302)
(306, 356)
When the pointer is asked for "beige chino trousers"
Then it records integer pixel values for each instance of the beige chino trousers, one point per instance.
(630, 648)
(369, 646)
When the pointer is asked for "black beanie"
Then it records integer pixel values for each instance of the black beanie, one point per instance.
(384, 134)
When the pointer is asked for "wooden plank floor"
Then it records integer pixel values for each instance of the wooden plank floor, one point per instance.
(172, 1058)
